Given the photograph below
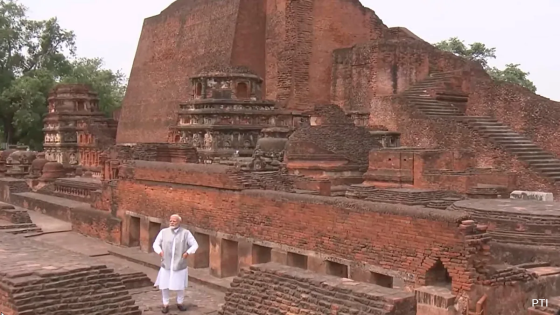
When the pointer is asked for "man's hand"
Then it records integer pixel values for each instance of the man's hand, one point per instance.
(185, 255)
(161, 254)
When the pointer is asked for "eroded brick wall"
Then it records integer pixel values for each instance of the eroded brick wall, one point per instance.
(384, 67)
(419, 131)
(288, 43)
(532, 115)
(272, 287)
(187, 36)
(301, 36)
(395, 237)
(38, 278)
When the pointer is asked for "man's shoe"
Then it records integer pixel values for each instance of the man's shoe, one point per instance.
(165, 309)
(181, 307)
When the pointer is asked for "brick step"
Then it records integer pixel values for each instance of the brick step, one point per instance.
(517, 143)
(23, 230)
(540, 162)
(537, 156)
(438, 110)
(436, 116)
(452, 98)
(17, 226)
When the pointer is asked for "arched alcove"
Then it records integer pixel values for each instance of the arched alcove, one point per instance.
(242, 90)
(438, 275)
(198, 89)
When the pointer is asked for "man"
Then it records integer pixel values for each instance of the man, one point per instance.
(174, 244)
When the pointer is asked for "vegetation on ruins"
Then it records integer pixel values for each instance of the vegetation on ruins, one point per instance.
(34, 56)
(480, 52)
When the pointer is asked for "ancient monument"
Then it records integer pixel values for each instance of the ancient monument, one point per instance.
(75, 128)
(342, 169)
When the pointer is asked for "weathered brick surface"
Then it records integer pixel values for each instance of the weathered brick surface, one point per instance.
(85, 219)
(396, 237)
(335, 134)
(13, 215)
(37, 278)
(164, 152)
(275, 289)
(418, 131)
(288, 43)
(531, 115)
(519, 222)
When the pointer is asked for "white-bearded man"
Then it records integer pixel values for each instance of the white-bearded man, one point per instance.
(174, 244)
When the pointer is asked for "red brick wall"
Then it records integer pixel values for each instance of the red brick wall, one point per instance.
(384, 67)
(330, 294)
(535, 116)
(301, 36)
(187, 36)
(288, 43)
(346, 228)
(216, 176)
(417, 131)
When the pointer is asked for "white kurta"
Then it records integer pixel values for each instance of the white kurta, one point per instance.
(170, 279)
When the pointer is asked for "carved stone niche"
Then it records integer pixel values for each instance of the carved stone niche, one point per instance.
(236, 83)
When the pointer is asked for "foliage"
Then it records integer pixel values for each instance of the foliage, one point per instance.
(34, 56)
(110, 85)
(480, 52)
(513, 74)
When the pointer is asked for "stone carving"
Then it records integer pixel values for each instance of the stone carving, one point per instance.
(208, 140)
(219, 127)
(73, 159)
(196, 140)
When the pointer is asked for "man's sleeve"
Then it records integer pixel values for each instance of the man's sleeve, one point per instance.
(157, 243)
(191, 243)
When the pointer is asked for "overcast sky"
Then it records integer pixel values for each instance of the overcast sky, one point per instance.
(524, 32)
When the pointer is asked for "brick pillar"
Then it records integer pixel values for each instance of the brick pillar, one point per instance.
(201, 259)
(145, 234)
(317, 265)
(245, 253)
(223, 257)
(125, 233)
(279, 256)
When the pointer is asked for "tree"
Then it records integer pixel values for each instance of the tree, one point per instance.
(513, 74)
(109, 85)
(32, 57)
(480, 52)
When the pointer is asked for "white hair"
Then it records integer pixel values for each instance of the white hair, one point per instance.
(176, 216)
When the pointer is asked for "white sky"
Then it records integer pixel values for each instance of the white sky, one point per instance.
(524, 32)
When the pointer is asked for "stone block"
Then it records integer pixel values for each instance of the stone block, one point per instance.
(531, 195)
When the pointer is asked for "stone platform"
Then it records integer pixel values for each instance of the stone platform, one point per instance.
(407, 196)
(37, 278)
(512, 221)
(16, 221)
(270, 288)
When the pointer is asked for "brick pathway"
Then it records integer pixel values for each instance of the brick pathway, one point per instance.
(199, 299)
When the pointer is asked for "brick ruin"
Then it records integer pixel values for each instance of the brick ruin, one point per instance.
(353, 167)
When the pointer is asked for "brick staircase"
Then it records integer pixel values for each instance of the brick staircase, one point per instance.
(449, 106)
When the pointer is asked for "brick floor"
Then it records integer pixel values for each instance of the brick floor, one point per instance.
(200, 299)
